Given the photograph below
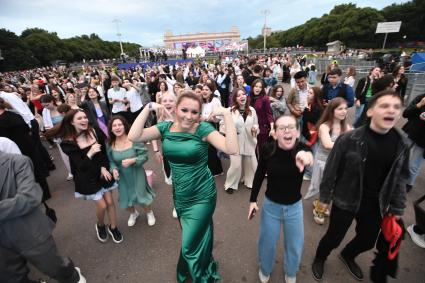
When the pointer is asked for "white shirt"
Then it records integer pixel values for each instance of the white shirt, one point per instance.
(350, 81)
(120, 94)
(19, 106)
(207, 108)
(135, 100)
(303, 98)
(8, 146)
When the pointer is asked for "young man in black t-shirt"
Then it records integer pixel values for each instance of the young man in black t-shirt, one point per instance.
(364, 177)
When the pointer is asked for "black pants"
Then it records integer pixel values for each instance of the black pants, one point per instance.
(224, 95)
(133, 116)
(45, 257)
(368, 222)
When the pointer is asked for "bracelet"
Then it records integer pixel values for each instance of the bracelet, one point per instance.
(150, 105)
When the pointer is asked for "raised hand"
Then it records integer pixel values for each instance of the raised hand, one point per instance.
(303, 159)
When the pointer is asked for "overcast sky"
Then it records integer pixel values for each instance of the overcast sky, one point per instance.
(145, 21)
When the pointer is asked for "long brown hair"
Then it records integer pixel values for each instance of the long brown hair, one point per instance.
(67, 130)
(235, 102)
(318, 98)
(211, 87)
(112, 136)
(328, 115)
(263, 88)
(274, 91)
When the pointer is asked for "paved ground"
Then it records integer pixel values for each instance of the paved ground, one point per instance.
(149, 254)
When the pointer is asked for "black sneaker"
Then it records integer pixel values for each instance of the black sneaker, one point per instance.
(116, 234)
(102, 235)
(230, 191)
(352, 266)
(408, 188)
(318, 267)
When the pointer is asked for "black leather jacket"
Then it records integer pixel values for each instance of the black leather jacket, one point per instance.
(342, 180)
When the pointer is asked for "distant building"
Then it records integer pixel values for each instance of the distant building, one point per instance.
(208, 41)
(335, 46)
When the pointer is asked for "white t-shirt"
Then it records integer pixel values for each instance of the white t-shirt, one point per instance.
(120, 94)
(9, 146)
(207, 108)
(19, 106)
(303, 97)
(135, 100)
(350, 81)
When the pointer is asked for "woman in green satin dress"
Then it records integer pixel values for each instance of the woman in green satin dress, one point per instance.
(185, 144)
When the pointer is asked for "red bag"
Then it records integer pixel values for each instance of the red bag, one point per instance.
(392, 232)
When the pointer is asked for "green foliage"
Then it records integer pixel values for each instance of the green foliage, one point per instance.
(352, 25)
(38, 47)
(15, 52)
(412, 15)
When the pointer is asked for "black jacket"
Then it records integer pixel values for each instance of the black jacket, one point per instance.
(415, 127)
(86, 171)
(342, 180)
(361, 89)
(90, 110)
(402, 85)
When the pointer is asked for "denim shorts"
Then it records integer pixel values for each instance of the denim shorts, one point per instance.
(96, 196)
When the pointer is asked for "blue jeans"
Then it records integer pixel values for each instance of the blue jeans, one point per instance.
(273, 215)
(415, 162)
(358, 113)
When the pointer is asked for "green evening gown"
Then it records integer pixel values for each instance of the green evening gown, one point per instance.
(132, 184)
(195, 198)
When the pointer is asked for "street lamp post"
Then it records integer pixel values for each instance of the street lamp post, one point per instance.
(117, 21)
(265, 13)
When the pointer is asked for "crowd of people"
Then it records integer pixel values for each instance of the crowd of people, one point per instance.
(103, 121)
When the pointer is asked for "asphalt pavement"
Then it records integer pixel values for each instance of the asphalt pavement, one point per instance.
(149, 254)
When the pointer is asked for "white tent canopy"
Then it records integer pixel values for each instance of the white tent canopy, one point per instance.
(197, 51)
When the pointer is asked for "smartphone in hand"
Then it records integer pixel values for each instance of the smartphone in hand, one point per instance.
(253, 212)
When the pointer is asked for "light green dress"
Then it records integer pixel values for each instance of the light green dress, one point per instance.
(132, 184)
(195, 198)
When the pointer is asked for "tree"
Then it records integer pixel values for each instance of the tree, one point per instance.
(412, 16)
(352, 25)
(15, 53)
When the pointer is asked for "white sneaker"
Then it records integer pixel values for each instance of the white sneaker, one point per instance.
(168, 181)
(263, 278)
(174, 213)
(290, 279)
(306, 178)
(132, 218)
(419, 240)
(82, 278)
(151, 218)
(70, 177)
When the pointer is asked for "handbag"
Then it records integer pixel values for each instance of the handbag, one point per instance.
(50, 212)
(393, 234)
